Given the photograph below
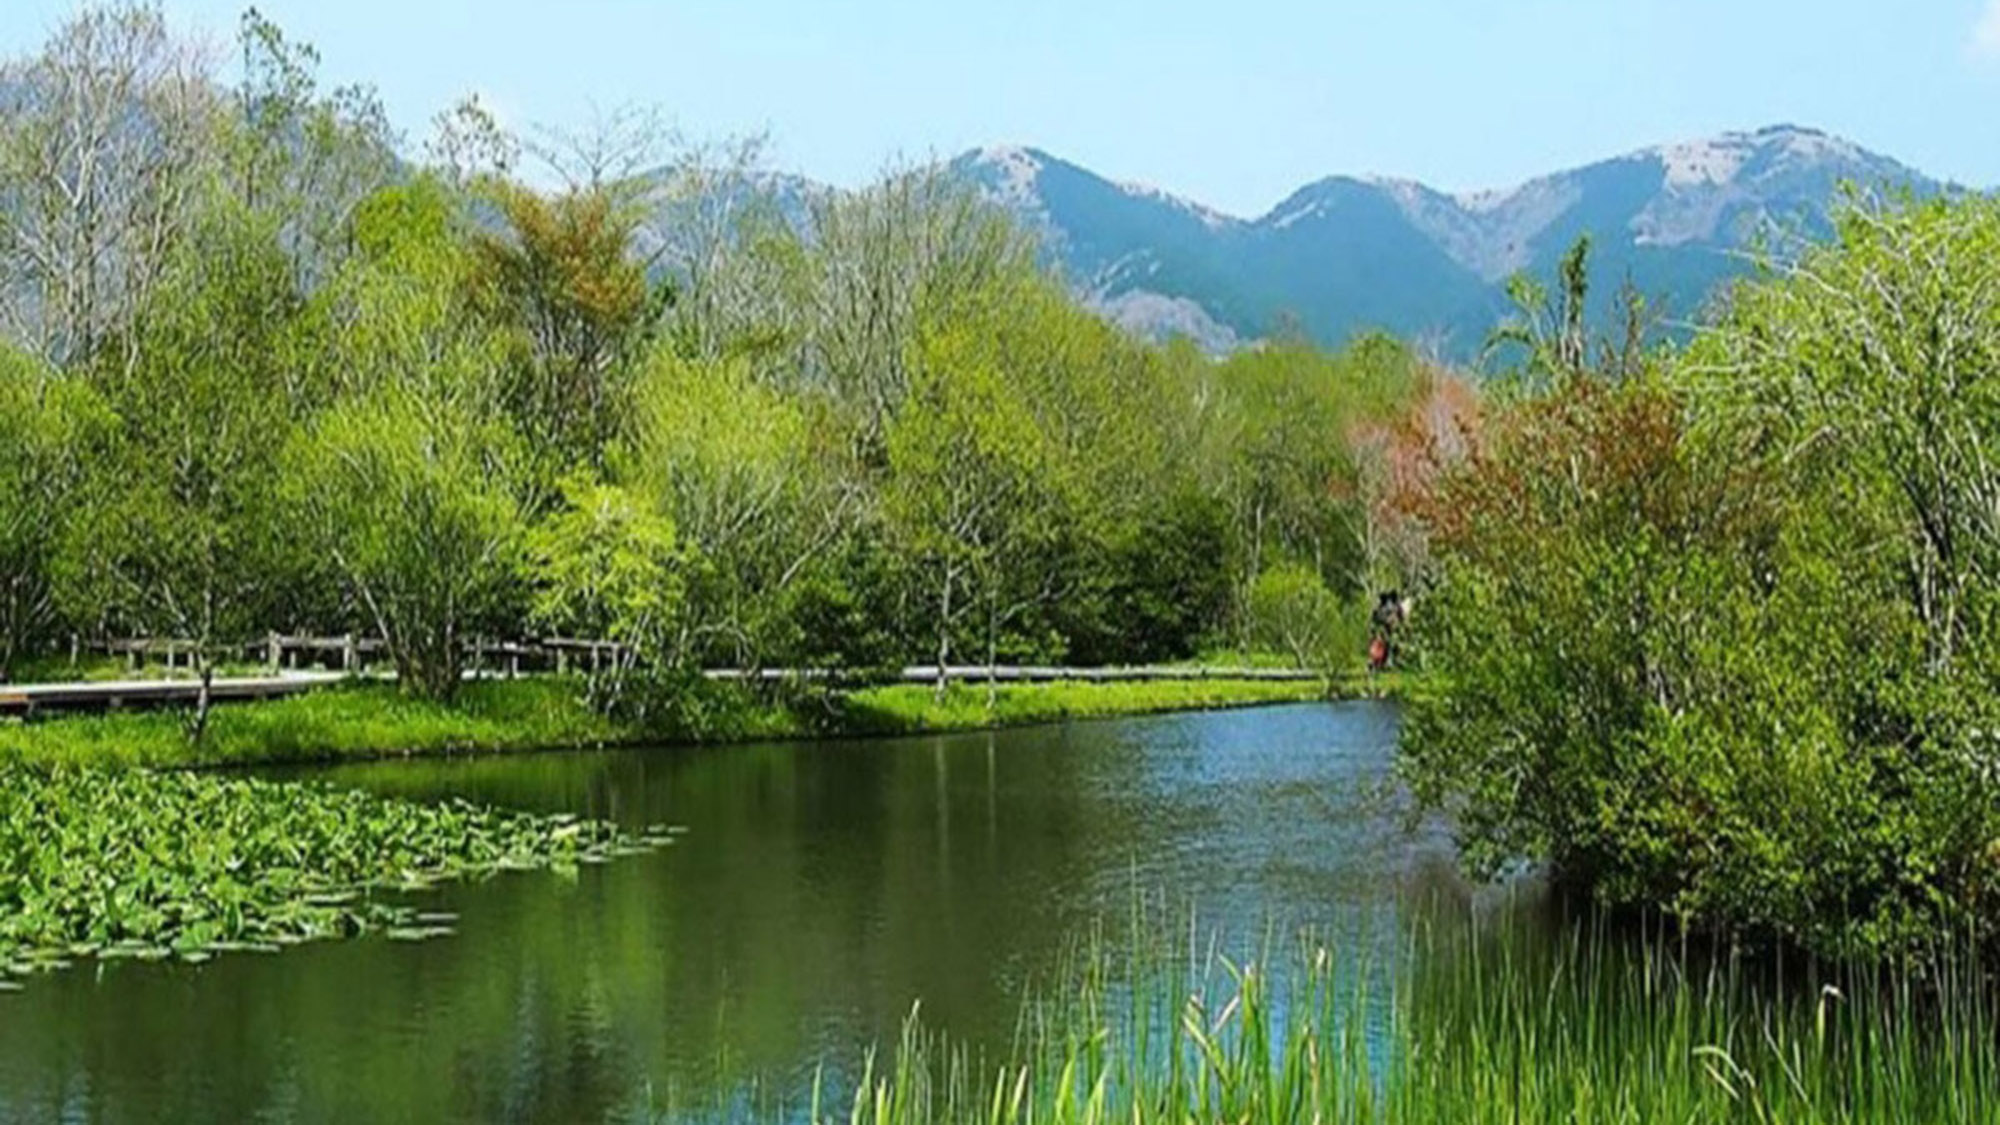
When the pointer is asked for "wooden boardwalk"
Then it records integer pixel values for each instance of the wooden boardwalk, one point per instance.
(30, 699)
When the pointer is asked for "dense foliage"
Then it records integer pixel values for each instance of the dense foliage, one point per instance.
(1713, 631)
(1719, 636)
(303, 386)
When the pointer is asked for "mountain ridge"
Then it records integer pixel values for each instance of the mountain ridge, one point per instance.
(1351, 253)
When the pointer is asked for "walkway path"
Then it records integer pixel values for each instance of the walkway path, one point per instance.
(21, 699)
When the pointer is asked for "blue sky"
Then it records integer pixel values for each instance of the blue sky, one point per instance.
(1234, 104)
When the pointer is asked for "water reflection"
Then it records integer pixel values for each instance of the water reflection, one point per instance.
(821, 890)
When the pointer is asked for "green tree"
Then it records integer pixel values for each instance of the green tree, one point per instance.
(837, 306)
(49, 426)
(1868, 373)
(752, 482)
(970, 494)
(409, 480)
(1550, 334)
(1292, 612)
(564, 276)
(608, 566)
(1717, 640)
(403, 312)
(413, 500)
(1287, 451)
(180, 533)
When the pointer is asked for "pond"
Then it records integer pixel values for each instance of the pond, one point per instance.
(821, 890)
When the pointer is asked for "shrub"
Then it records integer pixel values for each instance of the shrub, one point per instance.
(1292, 612)
(1689, 637)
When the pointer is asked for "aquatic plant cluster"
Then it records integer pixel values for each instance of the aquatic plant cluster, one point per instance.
(114, 863)
(1468, 1031)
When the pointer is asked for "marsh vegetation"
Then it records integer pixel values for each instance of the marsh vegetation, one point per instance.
(1703, 635)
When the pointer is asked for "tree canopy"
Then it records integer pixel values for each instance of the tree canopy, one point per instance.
(304, 384)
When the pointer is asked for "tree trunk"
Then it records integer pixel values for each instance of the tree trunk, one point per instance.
(944, 637)
(11, 630)
(202, 701)
(992, 656)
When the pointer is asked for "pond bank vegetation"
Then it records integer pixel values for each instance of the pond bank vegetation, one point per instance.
(1715, 630)
(1709, 629)
(548, 713)
(1455, 1021)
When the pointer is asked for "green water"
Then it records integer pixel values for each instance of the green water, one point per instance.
(820, 891)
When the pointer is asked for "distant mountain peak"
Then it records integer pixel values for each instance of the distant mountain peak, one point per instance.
(1011, 174)
(1347, 253)
(1016, 168)
(1708, 162)
(1722, 159)
(1401, 185)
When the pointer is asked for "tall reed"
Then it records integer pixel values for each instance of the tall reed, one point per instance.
(1460, 1026)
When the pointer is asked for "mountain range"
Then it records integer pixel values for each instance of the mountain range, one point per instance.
(1349, 254)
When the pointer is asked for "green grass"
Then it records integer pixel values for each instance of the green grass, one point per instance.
(909, 708)
(112, 863)
(1586, 1028)
(376, 720)
(349, 721)
(1229, 657)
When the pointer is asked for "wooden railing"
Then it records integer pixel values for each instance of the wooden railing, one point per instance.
(354, 653)
(348, 656)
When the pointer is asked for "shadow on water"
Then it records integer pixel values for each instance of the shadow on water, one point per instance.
(821, 891)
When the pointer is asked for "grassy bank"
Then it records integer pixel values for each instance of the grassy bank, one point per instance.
(911, 708)
(375, 720)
